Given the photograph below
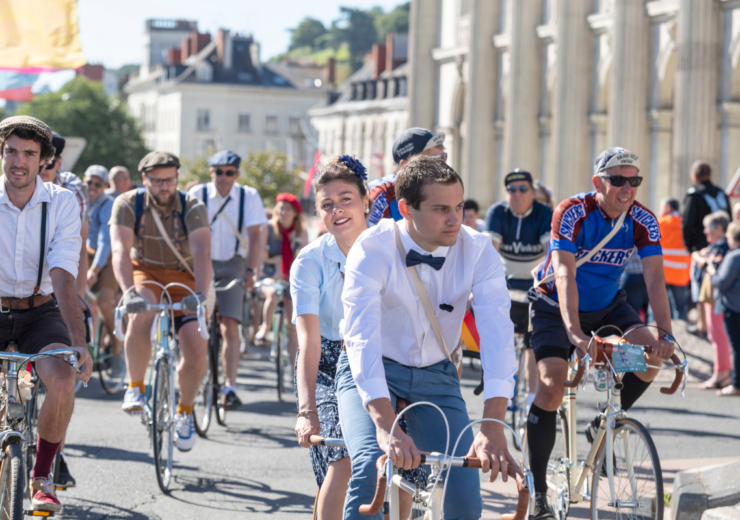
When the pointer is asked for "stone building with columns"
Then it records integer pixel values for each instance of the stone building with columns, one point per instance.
(545, 85)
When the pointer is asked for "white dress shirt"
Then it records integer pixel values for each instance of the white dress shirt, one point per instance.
(223, 240)
(20, 239)
(383, 316)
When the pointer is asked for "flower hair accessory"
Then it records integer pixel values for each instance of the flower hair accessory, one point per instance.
(354, 165)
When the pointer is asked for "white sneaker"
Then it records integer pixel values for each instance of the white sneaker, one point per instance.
(185, 430)
(134, 401)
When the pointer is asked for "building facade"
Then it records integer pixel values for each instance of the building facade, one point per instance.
(545, 85)
(366, 114)
(205, 95)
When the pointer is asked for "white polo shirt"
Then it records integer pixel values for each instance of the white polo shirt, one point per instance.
(20, 239)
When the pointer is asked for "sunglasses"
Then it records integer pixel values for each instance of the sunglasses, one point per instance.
(52, 164)
(513, 189)
(442, 156)
(228, 173)
(95, 183)
(620, 180)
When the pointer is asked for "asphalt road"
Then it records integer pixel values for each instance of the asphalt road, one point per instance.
(254, 468)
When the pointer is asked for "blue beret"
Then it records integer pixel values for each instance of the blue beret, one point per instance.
(224, 158)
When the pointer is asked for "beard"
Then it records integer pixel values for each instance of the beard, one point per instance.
(163, 199)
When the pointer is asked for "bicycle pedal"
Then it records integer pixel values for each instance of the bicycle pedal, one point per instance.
(31, 512)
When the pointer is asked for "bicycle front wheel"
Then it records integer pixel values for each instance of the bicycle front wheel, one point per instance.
(203, 406)
(278, 340)
(11, 483)
(163, 423)
(519, 409)
(638, 480)
(558, 467)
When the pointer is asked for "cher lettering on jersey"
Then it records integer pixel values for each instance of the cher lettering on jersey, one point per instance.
(615, 257)
(570, 217)
(648, 221)
(381, 202)
(519, 248)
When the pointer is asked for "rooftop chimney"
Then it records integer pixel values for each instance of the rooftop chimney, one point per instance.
(254, 53)
(396, 50)
(224, 48)
(378, 57)
(174, 56)
(330, 71)
(186, 51)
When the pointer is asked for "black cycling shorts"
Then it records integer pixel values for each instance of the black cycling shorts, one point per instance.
(520, 317)
(33, 329)
(549, 338)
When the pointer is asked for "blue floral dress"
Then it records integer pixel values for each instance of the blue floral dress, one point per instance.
(316, 281)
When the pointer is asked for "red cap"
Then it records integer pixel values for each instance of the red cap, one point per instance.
(291, 199)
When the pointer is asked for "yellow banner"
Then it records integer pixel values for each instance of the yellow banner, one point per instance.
(39, 35)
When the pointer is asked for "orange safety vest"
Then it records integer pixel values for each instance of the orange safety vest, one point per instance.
(676, 258)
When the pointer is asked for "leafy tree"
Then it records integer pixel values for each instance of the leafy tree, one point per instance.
(82, 109)
(306, 34)
(265, 171)
(360, 33)
(396, 21)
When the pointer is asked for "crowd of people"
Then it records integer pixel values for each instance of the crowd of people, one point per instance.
(375, 303)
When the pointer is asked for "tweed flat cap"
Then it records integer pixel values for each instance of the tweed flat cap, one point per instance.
(9, 124)
(158, 160)
(224, 158)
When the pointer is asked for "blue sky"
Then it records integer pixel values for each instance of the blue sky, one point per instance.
(111, 31)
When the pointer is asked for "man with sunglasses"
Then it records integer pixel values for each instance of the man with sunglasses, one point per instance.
(52, 172)
(520, 229)
(236, 215)
(410, 142)
(181, 255)
(580, 300)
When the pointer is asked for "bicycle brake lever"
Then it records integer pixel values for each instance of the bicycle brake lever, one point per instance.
(587, 363)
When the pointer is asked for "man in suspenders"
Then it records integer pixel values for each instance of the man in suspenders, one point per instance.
(40, 240)
(236, 215)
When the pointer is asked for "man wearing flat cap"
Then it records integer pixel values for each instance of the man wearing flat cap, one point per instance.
(40, 238)
(236, 215)
(183, 255)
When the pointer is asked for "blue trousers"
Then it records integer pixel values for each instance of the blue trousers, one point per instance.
(437, 384)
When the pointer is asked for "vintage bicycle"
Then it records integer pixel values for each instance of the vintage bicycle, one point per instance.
(279, 353)
(159, 412)
(625, 475)
(428, 503)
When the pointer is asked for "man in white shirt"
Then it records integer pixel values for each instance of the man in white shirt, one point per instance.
(40, 238)
(236, 215)
(393, 351)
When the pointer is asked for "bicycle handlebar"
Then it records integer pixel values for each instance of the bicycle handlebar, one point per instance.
(605, 349)
(441, 461)
(201, 314)
(69, 356)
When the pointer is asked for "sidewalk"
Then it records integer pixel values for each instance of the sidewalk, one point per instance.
(500, 498)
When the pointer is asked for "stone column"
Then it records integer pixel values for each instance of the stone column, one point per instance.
(629, 89)
(570, 125)
(422, 77)
(695, 135)
(478, 160)
(525, 73)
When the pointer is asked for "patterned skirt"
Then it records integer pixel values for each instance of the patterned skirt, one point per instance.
(328, 410)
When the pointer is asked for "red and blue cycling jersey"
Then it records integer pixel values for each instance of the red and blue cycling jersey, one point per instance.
(578, 225)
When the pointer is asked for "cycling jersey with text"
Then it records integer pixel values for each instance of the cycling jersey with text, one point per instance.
(578, 225)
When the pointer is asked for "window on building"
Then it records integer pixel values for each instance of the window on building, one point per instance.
(271, 125)
(245, 123)
(204, 119)
(294, 126)
(401, 92)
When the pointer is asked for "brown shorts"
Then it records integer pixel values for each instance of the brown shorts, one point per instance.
(144, 273)
(106, 278)
(33, 329)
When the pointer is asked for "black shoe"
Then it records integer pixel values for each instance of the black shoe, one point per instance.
(229, 401)
(692, 329)
(541, 509)
(592, 429)
(64, 479)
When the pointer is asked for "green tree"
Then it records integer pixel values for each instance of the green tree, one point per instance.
(265, 171)
(395, 21)
(306, 34)
(360, 33)
(82, 109)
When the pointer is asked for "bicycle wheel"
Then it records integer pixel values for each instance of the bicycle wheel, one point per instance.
(558, 486)
(519, 409)
(278, 339)
(112, 383)
(163, 423)
(11, 483)
(203, 405)
(32, 420)
(217, 372)
(249, 325)
(638, 480)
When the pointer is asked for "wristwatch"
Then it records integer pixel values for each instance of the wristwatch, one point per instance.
(250, 270)
(668, 337)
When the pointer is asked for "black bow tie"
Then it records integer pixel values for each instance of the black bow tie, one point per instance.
(413, 258)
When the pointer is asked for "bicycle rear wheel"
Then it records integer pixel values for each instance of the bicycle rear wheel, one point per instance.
(249, 324)
(558, 486)
(11, 483)
(32, 420)
(278, 340)
(217, 372)
(163, 423)
(203, 405)
(112, 383)
(638, 480)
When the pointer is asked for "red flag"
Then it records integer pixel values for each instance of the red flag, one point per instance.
(311, 174)
(17, 94)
